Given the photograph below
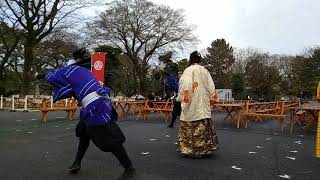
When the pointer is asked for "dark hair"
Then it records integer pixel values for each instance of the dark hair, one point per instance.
(79, 54)
(195, 57)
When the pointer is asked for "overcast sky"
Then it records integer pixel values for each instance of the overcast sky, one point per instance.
(276, 26)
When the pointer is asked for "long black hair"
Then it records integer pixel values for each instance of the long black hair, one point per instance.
(79, 54)
(82, 59)
(195, 57)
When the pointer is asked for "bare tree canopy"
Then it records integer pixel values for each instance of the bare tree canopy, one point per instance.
(35, 20)
(141, 28)
(38, 18)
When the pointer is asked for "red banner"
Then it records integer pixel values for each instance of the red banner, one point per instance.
(98, 60)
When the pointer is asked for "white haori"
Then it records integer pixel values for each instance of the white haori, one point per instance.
(196, 89)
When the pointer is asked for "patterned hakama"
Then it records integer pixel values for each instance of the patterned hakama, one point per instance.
(197, 138)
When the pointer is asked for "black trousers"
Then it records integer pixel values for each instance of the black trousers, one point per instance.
(176, 111)
(108, 138)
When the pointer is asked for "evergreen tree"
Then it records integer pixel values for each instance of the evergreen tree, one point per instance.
(237, 85)
(218, 61)
(306, 72)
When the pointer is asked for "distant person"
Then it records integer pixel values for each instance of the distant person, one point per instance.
(301, 97)
(176, 111)
(171, 71)
(196, 137)
(151, 97)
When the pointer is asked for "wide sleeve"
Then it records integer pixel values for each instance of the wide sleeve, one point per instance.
(104, 91)
(62, 89)
(179, 97)
(210, 87)
(185, 88)
(50, 76)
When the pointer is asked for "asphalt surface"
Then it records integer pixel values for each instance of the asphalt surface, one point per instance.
(30, 150)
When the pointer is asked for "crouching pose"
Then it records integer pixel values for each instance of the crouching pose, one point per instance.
(96, 121)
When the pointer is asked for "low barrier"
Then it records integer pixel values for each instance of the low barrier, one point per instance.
(28, 103)
(268, 110)
(68, 105)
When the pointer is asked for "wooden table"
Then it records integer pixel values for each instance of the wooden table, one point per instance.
(312, 109)
(234, 112)
(124, 107)
(163, 107)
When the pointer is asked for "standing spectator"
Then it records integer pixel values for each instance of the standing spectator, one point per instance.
(176, 111)
(301, 97)
(196, 137)
(151, 97)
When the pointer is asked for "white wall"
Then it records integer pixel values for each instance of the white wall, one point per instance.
(224, 94)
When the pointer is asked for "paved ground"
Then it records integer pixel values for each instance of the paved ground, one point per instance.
(33, 151)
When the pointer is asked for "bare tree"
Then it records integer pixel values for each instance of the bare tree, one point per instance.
(262, 76)
(241, 59)
(36, 20)
(141, 28)
(54, 50)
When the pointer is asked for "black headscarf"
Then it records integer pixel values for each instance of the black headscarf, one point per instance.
(195, 57)
(82, 58)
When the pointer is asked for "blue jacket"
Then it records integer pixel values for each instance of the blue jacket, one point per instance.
(172, 84)
(78, 82)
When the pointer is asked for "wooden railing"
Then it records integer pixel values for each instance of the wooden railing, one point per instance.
(68, 105)
(267, 110)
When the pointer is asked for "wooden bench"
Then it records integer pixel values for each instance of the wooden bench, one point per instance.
(288, 105)
(165, 108)
(298, 117)
(125, 107)
(265, 110)
(268, 110)
(69, 105)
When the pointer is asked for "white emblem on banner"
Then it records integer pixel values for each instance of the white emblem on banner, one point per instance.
(98, 65)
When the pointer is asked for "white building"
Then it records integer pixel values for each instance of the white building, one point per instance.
(225, 94)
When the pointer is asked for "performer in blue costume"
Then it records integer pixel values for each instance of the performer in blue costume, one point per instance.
(172, 84)
(96, 113)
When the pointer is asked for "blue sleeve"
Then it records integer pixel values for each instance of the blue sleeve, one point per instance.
(104, 90)
(172, 84)
(50, 77)
(62, 89)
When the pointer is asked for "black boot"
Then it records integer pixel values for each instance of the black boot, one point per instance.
(128, 173)
(74, 168)
(170, 125)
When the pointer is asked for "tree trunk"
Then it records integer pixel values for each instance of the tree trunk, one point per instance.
(28, 62)
(137, 71)
(2, 79)
(142, 77)
(37, 90)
